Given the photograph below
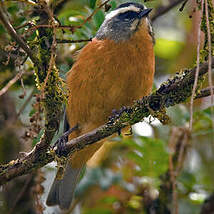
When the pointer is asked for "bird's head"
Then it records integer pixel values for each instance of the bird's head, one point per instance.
(121, 23)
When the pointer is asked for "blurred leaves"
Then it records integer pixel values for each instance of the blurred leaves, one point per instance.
(97, 176)
(168, 49)
(98, 19)
(135, 202)
(92, 3)
(98, 211)
(149, 154)
(203, 122)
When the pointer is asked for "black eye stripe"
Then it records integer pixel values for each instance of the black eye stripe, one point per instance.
(128, 15)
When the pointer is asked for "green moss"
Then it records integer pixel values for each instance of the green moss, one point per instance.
(204, 53)
(52, 91)
(161, 116)
(174, 91)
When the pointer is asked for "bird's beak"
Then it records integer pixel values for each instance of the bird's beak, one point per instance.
(145, 12)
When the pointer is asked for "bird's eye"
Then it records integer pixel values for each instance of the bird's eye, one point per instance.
(129, 15)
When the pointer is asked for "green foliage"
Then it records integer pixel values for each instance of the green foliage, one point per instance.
(203, 122)
(168, 49)
(188, 181)
(135, 202)
(113, 4)
(98, 210)
(92, 3)
(149, 154)
(97, 176)
(38, 138)
(98, 19)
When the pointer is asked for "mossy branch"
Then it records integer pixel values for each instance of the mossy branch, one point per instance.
(176, 90)
(47, 81)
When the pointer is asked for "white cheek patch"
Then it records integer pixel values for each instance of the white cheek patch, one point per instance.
(122, 10)
(134, 25)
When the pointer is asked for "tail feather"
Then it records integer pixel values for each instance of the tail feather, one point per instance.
(62, 191)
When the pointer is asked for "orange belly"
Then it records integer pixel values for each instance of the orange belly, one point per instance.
(107, 76)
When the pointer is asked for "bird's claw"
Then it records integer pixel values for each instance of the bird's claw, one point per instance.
(60, 144)
(61, 149)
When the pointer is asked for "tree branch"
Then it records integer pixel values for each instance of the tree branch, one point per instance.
(53, 96)
(176, 90)
(93, 13)
(204, 92)
(63, 41)
(164, 9)
(12, 32)
(11, 82)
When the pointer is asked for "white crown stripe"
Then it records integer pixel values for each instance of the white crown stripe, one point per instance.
(122, 10)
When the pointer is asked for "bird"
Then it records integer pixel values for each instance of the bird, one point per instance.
(113, 70)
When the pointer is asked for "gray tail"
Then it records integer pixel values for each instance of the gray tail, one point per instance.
(62, 191)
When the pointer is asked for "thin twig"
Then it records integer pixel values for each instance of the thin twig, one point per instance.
(197, 69)
(172, 147)
(177, 146)
(72, 28)
(12, 32)
(183, 5)
(209, 61)
(93, 13)
(63, 41)
(23, 87)
(21, 193)
(162, 10)
(51, 26)
(25, 25)
(11, 82)
(204, 92)
(181, 154)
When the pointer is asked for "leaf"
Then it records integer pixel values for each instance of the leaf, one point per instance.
(167, 49)
(13, 9)
(98, 211)
(92, 3)
(202, 122)
(97, 176)
(98, 19)
(149, 154)
(109, 200)
(135, 202)
(113, 5)
(37, 139)
(188, 180)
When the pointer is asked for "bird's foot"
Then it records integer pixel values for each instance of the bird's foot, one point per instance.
(61, 142)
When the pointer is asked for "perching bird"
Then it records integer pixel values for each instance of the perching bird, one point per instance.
(111, 71)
